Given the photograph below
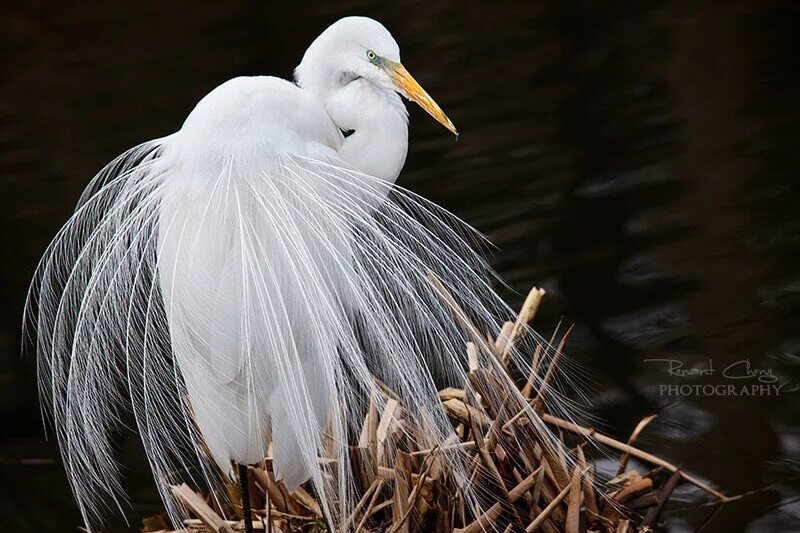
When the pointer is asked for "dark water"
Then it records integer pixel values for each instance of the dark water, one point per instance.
(640, 163)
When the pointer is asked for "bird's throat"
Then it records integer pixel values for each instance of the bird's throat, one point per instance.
(378, 144)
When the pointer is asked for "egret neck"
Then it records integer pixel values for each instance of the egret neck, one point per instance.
(379, 121)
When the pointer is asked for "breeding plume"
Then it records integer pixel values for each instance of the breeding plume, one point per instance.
(249, 284)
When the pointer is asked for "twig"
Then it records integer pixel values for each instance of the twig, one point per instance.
(533, 526)
(413, 496)
(370, 506)
(663, 495)
(572, 524)
(484, 520)
(623, 462)
(635, 452)
(374, 488)
(551, 369)
(526, 314)
(200, 508)
(528, 388)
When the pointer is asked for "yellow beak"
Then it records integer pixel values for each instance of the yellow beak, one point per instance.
(409, 87)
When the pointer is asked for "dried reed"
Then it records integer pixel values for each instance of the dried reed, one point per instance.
(533, 490)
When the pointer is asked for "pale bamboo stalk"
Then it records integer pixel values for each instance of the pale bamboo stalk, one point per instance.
(369, 431)
(503, 337)
(200, 508)
(382, 431)
(526, 314)
(472, 356)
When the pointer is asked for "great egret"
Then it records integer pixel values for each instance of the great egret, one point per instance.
(246, 279)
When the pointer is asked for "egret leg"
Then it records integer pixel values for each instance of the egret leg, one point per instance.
(246, 511)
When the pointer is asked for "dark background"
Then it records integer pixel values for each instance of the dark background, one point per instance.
(637, 159)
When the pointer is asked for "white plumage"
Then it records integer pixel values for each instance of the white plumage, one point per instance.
(232, 234)
(247, 278)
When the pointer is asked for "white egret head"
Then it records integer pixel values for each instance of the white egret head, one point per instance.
(354, 66)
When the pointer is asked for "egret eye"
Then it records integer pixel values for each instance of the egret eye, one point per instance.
(371, 55)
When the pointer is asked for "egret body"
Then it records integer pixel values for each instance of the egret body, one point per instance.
(349, 79)
(240, 284)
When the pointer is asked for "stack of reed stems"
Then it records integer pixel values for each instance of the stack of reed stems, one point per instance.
(524, 485)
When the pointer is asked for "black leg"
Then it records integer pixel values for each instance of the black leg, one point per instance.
(246, 511)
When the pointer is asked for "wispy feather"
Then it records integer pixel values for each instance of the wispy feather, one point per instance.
(230, 305)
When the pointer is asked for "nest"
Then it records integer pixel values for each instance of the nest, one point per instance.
(529, 487)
